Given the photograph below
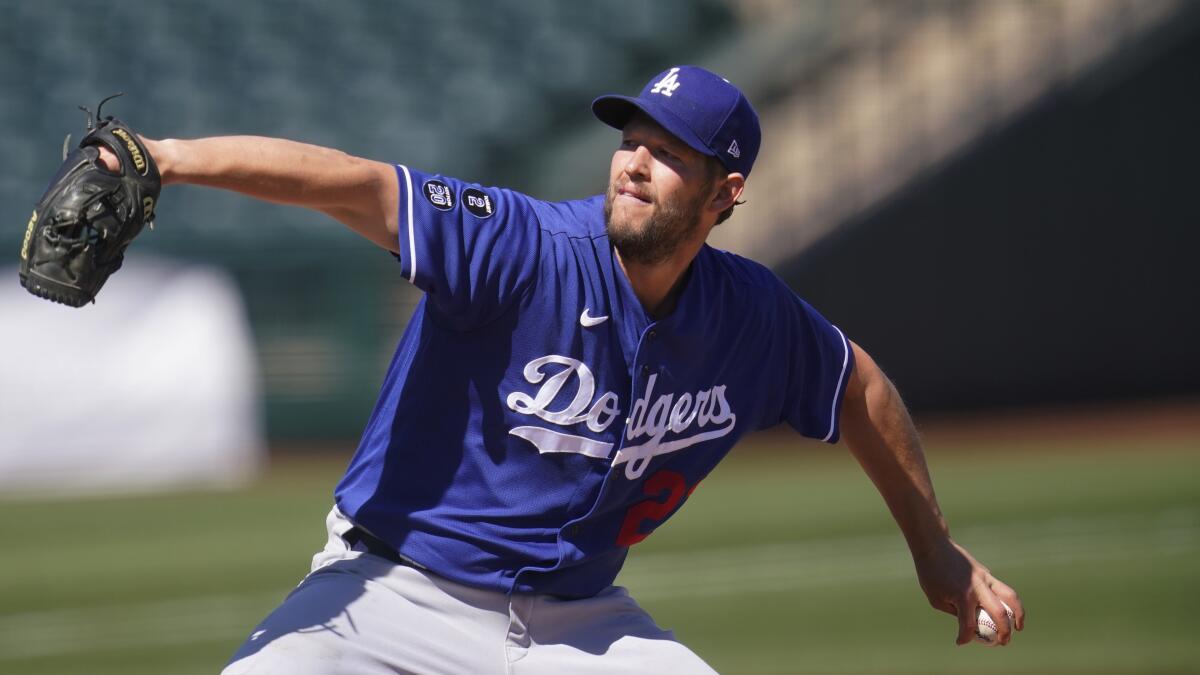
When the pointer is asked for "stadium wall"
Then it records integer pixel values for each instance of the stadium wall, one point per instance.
(1054, 262)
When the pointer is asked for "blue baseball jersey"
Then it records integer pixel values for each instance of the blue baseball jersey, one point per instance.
(535, 422)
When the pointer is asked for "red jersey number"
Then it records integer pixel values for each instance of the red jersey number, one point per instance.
(657, 508)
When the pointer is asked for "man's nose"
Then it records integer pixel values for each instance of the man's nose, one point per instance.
(638, 163)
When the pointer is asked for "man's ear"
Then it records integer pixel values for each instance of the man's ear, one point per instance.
(729, 190)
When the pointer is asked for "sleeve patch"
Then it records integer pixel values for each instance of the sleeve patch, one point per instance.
(478, 202)
(439, 195)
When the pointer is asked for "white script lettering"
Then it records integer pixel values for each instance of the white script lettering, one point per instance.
(651, 418)
(657, 419)
(599, 416)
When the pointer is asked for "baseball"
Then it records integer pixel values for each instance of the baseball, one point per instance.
(986, 628)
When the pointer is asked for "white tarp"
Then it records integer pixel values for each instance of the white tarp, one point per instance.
(155, 385)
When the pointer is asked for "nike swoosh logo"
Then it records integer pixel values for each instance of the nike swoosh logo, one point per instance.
(589, 321)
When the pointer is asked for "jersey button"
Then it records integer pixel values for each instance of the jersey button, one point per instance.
(651, 335)
(645, 370)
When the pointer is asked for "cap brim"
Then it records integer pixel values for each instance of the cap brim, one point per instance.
(615, 111)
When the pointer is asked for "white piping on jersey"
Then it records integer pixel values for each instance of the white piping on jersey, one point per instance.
(412, 242)
(838, 391)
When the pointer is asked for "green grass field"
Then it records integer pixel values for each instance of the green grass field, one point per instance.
(782, 562)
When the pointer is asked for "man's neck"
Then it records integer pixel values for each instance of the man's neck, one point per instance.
(658, 286)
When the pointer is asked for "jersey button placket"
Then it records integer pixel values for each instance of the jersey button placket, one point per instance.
(648, 337)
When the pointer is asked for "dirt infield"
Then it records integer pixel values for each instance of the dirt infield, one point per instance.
(1175, 422)
(1111, 421)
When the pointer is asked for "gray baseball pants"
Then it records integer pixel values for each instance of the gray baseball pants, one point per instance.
(359, 613)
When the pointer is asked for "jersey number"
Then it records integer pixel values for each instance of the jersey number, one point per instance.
(664, 481)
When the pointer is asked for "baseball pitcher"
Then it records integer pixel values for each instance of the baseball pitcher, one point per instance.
(573, 372)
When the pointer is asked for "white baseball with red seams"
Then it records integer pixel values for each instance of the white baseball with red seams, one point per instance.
(986, 628)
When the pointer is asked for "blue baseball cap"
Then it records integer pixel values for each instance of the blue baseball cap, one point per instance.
(700, 108)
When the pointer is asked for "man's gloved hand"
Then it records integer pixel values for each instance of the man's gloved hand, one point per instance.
(88, 216)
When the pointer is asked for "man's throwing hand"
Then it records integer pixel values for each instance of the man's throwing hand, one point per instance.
(958, 584)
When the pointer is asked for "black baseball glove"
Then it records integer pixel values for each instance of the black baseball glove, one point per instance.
(89, 215)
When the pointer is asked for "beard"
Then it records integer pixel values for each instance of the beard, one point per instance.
(669, 224)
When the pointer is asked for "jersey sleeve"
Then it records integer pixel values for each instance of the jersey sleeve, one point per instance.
(820, 365)
(472, 249)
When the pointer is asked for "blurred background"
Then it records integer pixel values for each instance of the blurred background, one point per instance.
(994, 197)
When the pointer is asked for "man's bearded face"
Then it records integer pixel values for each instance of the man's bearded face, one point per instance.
(650, 232)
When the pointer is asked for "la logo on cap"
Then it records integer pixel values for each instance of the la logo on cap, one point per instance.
(710, 115)
(668, 84)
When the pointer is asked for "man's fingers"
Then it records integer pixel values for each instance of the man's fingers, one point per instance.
(966, 623)
(995, 608)
(1009, 596)
(109, 159)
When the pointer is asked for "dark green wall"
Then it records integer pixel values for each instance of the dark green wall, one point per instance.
(1054, 262)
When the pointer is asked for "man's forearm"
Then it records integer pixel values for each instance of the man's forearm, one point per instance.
(880, 434)
(359, 192)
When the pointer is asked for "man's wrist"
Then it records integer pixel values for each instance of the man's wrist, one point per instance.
(163, 153)
(929, 539)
